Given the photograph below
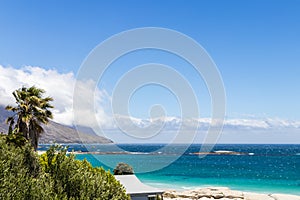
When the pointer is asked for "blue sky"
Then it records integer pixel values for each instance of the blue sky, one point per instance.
(255, 44)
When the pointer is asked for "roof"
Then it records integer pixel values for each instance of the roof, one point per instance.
(134, 186)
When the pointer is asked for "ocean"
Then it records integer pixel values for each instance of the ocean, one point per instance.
(256, 168)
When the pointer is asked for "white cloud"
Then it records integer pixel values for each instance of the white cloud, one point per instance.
(174, 123)
(60, 86)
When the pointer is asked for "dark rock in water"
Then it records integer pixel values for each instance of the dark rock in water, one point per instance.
(220, 153)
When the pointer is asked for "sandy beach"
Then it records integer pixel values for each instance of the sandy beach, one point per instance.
(223, 193)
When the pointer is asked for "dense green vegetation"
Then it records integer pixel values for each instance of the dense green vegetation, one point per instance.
(54, 175)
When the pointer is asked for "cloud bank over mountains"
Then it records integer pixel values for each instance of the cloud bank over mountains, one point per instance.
(60, 86)
(171, 123)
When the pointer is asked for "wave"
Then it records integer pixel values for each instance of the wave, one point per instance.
(137, 153)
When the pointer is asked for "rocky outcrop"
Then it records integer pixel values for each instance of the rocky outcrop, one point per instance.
(223, 193)
(222, 152)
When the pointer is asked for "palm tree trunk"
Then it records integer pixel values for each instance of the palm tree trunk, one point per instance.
(23, 128)
(33, 135)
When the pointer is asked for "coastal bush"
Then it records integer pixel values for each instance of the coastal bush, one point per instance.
(123, 169)
(53, 175)
(20, 177)
(76, 179)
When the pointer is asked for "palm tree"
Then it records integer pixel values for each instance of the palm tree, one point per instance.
(30, 113)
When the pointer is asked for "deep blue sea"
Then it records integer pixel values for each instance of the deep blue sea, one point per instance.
(259, 168)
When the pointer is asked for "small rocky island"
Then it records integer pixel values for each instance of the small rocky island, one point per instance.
(221, 152)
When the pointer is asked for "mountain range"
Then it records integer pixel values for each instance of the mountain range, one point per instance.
(174, 123)
(59, 133)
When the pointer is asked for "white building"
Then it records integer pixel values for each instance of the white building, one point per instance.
(137, 190)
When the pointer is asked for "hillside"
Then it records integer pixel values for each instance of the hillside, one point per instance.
(55, 132)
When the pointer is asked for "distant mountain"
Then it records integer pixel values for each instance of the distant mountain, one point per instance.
(174, 123)
(58, 133)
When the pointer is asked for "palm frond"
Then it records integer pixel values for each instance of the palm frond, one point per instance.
(10, 108)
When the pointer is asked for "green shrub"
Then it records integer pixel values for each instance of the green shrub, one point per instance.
(53, 175)
(78, 179)
(123, 169)
(20, 177)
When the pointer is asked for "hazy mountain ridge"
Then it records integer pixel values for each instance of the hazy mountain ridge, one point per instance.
(174, 123)
(58, 133)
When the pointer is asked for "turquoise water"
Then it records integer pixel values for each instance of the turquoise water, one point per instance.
(259, 168)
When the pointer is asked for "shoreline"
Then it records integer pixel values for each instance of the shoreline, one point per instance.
(224, 193)
(183, 187)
